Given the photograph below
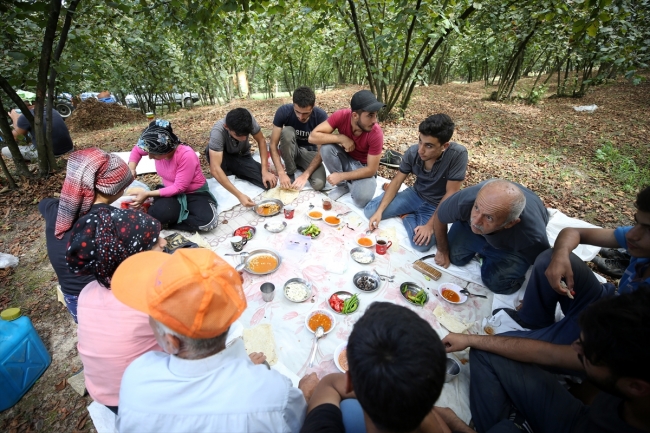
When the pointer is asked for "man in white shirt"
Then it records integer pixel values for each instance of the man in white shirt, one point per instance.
(198, 384)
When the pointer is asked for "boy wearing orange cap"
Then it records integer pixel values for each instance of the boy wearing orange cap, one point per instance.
(192, 297)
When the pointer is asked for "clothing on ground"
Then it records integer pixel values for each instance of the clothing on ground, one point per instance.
(286, 116)
(221, 141)
(367, 143)
(111, 335)
(224, 392)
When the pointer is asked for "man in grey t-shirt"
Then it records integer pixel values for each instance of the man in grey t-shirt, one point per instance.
(440, 168)
(502, 222)
(229, 152)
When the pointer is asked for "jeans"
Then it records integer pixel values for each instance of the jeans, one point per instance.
(337, 160)
(295, 157)
(538, 310)
(418, 212)
(242, 166)
(498, 384)
(71, 302)
(502, 271)
(353, 419)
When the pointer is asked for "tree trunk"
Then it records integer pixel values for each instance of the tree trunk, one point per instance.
(19, 161)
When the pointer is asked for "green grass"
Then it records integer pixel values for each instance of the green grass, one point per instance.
(617, 162)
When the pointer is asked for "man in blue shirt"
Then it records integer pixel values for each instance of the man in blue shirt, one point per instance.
(292, 125)
(560, 276)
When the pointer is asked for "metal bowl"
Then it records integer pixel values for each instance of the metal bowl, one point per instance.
(413, 289)
(343, 295)
(452, 369)
(358, 254)
(301, 228)
(260, 252)
(271, 226)
(268, 201)
(251, 229)
(371, 275)
(307, 285)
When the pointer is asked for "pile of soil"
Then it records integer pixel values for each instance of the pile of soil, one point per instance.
(92, 115)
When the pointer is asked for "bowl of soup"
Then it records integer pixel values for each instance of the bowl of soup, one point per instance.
(322, 318)
(366, 241)
(315, 214)
(262, 262)
(341, 357)
(450, 292)
(331, 219)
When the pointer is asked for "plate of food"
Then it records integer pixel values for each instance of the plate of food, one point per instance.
(366, 281)
(366, 241)
(310, 230)
(341, 357)
(331, 219)
(315, 214)
(297, 290)
(414, 294)
(245, 232)
(450, 292)
(268, 207)
(275, 226)
(322, 318)
(343, 302)
(362, 255)
(262, 262)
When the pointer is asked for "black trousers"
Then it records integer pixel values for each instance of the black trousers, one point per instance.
(242, 166)
(203, 212)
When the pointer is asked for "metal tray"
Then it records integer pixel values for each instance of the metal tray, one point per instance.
(269, 200)
(256, 253)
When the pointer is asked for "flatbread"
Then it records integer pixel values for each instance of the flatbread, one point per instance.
(286, 196)
(450, 322)
(390, 234)
(260, 339)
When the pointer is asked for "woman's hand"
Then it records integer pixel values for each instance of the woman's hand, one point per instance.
(139, 198)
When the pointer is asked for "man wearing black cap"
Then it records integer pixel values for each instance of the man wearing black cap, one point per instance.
(352, 156)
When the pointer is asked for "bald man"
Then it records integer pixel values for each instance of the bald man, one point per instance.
(502, 222)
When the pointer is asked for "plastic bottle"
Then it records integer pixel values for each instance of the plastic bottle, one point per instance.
(23, 357)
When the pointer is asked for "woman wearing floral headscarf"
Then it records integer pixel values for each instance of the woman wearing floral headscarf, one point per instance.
(185, 201)
(110, 334)
(93, 176)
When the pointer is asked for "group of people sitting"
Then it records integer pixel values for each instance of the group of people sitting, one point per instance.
(153, 326)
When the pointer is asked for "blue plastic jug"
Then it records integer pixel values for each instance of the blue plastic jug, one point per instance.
(23, 357)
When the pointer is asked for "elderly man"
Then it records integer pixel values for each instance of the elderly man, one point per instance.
(510, 390)
(292, 125)
(229, 153)
(503, 222)
(397, 370)
(61, 141)
(439, 167)
(560, 276)
(352, 156)
(199, 384)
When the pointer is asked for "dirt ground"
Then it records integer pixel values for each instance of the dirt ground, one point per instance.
(549, 148)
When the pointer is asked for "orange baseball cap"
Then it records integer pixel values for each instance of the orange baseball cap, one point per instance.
(193, 292)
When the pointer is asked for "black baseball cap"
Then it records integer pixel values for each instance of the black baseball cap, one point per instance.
(366, 101)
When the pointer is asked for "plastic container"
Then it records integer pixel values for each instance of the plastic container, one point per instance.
(23, 357)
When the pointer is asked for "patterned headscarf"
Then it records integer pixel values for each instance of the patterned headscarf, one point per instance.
(158, 138)
(103, 239)
(89, 169)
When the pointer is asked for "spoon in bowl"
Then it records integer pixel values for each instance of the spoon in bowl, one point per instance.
(320, 331)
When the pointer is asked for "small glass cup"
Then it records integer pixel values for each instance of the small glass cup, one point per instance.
(288, 212)
(268, 291)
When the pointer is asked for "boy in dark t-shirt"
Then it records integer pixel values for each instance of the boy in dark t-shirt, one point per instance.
(292, 126)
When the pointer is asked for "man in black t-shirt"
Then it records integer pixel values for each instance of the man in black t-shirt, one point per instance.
(509, 386)
(396, 373)
(502, 222)
(292, 125)
(61, 141)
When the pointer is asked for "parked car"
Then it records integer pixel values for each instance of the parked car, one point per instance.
(185, 99)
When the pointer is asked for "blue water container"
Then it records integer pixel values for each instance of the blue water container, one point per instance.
(23, 357)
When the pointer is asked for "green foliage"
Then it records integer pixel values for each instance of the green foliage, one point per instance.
(536, 94)
(622, 167)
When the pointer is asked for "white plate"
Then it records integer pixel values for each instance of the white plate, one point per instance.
(372, 238)
(325, 312)
(331, 214)
(337, 352)
(454, 288)
(320, 211)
